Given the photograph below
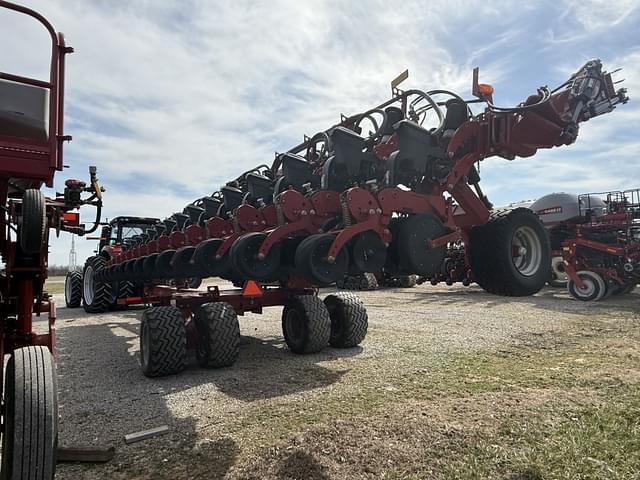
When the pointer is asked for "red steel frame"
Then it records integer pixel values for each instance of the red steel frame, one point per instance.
(251, 298)
(36, 162)
(627, 248)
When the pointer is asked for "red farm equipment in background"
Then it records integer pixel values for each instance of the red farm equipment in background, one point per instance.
(602, 256)
(31, 139)
(403, 199)
(595, 239)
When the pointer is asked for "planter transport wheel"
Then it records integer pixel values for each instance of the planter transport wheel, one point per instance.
(219, 330)
(244, 258)
(96, 296)
(163, 341)
(510, 255)
(306, 324)
(349, 320)
(30, 427)
(73, 289)
(594, 287)
(33, 229)
(312, 262)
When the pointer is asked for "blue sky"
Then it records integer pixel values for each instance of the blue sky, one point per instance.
(170, 99)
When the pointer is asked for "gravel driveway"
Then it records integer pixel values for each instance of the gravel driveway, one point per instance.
(218, 418)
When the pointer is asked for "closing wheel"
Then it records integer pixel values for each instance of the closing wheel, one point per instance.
(30, 427)
(33, 229)
(149, 266)
(96, 295)
(312, 262)
(73, 289)
(219, 330)
(244, 258)
(594, 287)
(205, 257)
(163, 341)
(181, 263)
(368, 253)
(510, 255)
(306, 324)
(163, 264)
(349, 320)
(410, 244)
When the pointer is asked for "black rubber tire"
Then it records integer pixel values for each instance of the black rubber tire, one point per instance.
(163, 341)
(311, 262)
(30, 434)
(491, 254)
(149, 267)
(306, 324)
(73, 289)
(219, 331)
(205, 258)
(244, 259)
(32, 233)
(181, 263)
(368, 252)
(122, 289)
(163, 264)
(407, 281)
(349, 320)
(194, 282)
(102, 291)
(410, 244)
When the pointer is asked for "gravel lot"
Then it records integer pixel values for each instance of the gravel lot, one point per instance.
(237, 422)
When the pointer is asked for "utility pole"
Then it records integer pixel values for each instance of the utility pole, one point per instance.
(72, 255)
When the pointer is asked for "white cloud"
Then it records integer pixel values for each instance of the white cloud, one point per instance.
(170, 99)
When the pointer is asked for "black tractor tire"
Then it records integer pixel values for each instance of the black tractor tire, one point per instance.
(73, 289)
(30, 430)
(122, 289)
(97, 296)
(492, 256)
(306, 324)
(349, 320)
(32, 233)
(163, 341)
(219, 331)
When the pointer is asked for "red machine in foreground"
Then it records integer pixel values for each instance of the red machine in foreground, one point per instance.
(31, 138)
(403, 199)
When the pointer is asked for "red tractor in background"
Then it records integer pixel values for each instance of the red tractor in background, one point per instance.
(31, 139)
(595, 238)
(120, 232)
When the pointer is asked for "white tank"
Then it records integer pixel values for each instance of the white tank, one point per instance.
(561, 207)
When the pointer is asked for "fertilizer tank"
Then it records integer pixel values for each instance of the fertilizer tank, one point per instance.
(561, 207)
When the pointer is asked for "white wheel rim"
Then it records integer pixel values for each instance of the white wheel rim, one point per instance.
(589, 287)
(526, 251)
(67, 289)
(88, 285)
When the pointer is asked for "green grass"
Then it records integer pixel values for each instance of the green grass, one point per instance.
(54, 285)
(567, 407)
